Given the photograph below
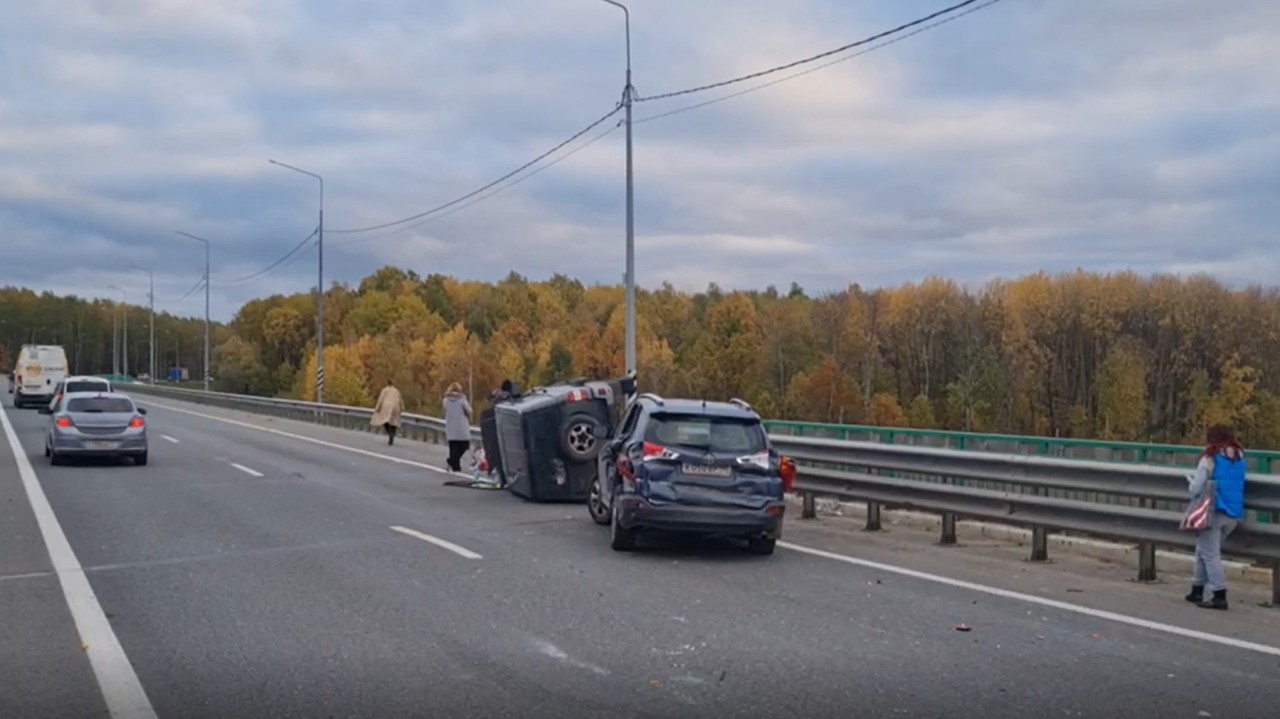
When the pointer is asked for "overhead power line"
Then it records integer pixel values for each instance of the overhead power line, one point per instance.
(816, 68)
(481, 189)
(298, 248)
(814, 58)
(486, 196)
(196, 288)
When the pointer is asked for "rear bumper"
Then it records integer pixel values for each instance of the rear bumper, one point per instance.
(85, 447)
(636, 513)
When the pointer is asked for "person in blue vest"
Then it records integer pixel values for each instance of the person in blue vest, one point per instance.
(1223, 462)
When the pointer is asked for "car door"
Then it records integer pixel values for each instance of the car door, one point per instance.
(608, 463)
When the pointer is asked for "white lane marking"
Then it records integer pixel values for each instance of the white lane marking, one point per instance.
(121, 690)
(460, 551)
(1042, 601)
(313, 440)
(246, 470)
(170, 440)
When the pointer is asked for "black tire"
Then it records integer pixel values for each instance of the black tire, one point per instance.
(600, 513)
(46, 450)
(56, 459)
(621, 539)
(17, 400)
(578, 438)
(140, 460)
(762, 546)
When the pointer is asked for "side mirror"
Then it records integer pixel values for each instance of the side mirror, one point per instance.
(142, 410)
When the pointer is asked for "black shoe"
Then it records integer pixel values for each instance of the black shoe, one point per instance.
(1219, 601)
(391, 440)
(1197, 594)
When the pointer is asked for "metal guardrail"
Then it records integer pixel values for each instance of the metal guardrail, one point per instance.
(1118, 501)
(1018, 490)
(412, 426)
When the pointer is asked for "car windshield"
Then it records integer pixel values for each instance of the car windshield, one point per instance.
(714, 434)
(99, 405)
(84, 386)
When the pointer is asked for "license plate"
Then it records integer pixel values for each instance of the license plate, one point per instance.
(101, 445)
(706, 470)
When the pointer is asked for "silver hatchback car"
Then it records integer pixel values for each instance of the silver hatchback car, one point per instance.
(96, 424)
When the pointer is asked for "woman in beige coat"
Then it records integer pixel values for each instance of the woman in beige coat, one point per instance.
(386, 413)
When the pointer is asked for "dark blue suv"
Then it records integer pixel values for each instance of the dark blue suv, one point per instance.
(691, 466)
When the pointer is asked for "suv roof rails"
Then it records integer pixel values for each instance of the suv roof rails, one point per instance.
(740, 403)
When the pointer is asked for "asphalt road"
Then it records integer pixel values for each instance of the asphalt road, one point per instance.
(247, 573)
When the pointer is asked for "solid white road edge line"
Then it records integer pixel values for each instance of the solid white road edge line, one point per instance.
(167, 438)
(121, 690)
(313, 440)
(1042, 601)
(246, 470)
(460, 551)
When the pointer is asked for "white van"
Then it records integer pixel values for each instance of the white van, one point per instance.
(39, 370)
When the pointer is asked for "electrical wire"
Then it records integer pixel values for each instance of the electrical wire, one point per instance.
(805, 61)
(816, 68)
(482, 198)
(481, 189)
(273, 265)
(192, 291)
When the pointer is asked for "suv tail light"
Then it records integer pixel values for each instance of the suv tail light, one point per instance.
(787, 471)
(657, 451)
(137, 422)
(63, 421)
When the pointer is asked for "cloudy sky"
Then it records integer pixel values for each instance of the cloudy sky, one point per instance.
(1031, 134)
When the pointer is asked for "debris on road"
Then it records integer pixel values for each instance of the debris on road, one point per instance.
(963, 628)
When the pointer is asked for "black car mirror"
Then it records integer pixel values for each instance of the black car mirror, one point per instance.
(45, 410)
(142, 410)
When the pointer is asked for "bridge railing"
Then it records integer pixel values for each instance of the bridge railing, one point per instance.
(1125, 501)
(1172, 455)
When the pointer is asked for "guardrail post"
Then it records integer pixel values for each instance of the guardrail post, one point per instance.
(873, 516)
(1146, 562)
(948, 528)
(1275, 584)
(809, 509)
(1039, 544)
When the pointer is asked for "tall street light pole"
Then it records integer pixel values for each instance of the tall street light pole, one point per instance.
(206, 303)
(628, 95)
(319, 284)
(151, 298)
(124, 341)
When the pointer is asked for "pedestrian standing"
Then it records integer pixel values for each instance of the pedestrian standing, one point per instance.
(457, 425)
(386, 413)
(1222, 471)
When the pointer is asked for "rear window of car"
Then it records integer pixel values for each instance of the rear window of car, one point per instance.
(99, 404)
(85, 386)
(714, 434)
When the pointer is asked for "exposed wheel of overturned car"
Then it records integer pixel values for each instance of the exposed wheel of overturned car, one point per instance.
(578, 437)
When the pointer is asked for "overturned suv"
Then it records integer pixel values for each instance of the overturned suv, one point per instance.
(549, 438)
(686, 465)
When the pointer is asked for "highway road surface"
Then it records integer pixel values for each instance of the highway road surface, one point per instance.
(267, 568)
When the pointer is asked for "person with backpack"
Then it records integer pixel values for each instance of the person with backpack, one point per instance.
(1221, 472)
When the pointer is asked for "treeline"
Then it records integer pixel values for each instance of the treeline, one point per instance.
(84, 328)
(1113, 356)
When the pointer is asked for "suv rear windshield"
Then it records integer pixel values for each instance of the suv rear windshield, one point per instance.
(100, 404)
(84, 386)
(714, 434)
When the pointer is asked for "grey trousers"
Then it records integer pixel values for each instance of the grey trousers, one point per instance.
(1210, 572)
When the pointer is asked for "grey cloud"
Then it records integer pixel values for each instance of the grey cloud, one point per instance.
(1033, 134)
